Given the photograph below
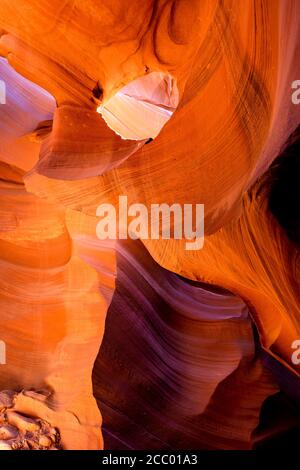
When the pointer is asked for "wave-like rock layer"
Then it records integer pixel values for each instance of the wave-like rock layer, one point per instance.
(163, 101)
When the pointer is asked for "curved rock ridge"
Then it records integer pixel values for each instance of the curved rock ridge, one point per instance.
(52, 315)
(196, 342)
(26, 107)
(229, 78)
(182, 360)
(263, 269)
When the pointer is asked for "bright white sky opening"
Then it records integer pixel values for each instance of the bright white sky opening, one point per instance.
(141, 109)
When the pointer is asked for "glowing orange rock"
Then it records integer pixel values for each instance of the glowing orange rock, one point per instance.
(233, 68)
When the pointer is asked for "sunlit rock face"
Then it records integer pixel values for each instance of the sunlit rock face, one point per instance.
(196, 342)
(52, 315)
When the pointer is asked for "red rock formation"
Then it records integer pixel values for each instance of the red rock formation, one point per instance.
(52, 316)
(233, 68)
(184, 355)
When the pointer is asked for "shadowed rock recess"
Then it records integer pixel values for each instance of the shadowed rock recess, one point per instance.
(140, 343)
